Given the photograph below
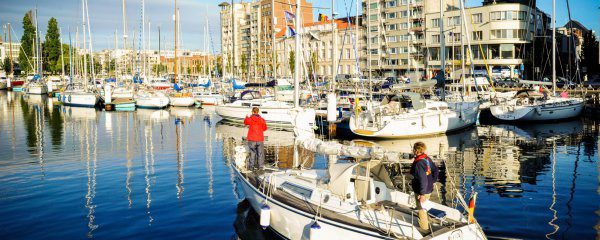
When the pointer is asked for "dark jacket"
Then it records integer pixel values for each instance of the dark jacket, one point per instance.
(257, 128)
(425, 174)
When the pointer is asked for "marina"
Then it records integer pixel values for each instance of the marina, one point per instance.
(408, 119)
(77, 173)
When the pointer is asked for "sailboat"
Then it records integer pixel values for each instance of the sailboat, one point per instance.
(181, 97)
(538, 104)
(36, 84)
(80, 94)
(409, 114)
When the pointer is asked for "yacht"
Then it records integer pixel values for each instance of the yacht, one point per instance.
(532, 105)
(36, 86)
(407, 115)
(159, 84)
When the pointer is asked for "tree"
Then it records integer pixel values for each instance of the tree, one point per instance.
(589, 53)
(52, 46)
(292, 62)
(27, 43)
(244, 65)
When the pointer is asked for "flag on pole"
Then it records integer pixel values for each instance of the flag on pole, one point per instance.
(289, 16)
(290, 32)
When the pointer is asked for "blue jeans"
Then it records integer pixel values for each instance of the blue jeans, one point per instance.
(257, 154)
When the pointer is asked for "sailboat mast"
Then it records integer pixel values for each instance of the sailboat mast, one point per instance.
(159, 54)
(553, 47)
(175, 52)
(124, 34)
(442, 47)
(62, 55)
(273, 54)
(334, 49)
(84, 43)
(10, 51)
(299, 55)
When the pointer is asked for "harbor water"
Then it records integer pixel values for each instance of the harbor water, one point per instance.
(75, 173)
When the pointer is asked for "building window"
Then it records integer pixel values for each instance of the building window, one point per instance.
(404, 25)
(405, 37)
(374, 40)
(373, 17)
(393, 50)
(403, 50)
(404, 14)
(454, 21)
(373, 29)
(404, 2)
(435, 22)
(454, 37)
(392, 39)
(374, 51)
(477, 17)
(508, 15)
(404, 61)
(477, 35)
(393, 62)
(391, 15)
(435, 38)
(392, 27)
(508, 34)
(348, 54)
(506, 51)
(391, 4)
(374, 5)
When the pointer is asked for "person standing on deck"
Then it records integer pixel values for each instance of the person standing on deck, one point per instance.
(256, 138)
(425, 174)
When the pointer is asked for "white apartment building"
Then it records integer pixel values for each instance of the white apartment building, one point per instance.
(501, 35)
(5, 47)
(317, 45)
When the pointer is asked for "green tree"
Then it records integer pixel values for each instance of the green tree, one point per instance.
(244, 65)
(52, 47)
(589, 53)
(292, 62)
(6, 65)
(27, 43)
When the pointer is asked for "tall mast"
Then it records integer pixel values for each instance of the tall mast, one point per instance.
(84, 43)
(124, 34)
(298, 54)
(37, 45)
(334, 48)
(232, 38)
(70, 58)
(143, 39)
(554, 47)
(175, 52)
(273, 54)
(115, 55)
(10, 50)
(62, 55)
(87, 15)
(159, 54)
(442, 46)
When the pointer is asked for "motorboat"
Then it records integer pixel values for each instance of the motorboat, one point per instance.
(532, 105)
(408, 114)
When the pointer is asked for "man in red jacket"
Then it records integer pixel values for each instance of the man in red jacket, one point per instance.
(256, 138)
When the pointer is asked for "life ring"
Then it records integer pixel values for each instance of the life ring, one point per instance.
(64, 98)
(69, 98)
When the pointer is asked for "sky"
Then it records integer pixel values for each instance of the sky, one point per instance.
(105, 17)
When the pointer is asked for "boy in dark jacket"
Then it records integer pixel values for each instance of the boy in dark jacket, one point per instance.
(425, 174)
(256, 138)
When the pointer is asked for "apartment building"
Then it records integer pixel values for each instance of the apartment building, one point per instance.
(7, 48)
(317, 45)
(395, 33)
(247, 33)
(500, 32)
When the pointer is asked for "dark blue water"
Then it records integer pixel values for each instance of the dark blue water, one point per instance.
(75, 173)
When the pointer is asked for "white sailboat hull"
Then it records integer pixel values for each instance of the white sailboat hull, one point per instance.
(293, 223)
(37, 89)
(275, 116)
(543, 112)
(79, 99)
(414, 125)
(212, 99)
(152, 102)
(182, 101)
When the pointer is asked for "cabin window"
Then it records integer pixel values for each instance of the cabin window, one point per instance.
(305, 192)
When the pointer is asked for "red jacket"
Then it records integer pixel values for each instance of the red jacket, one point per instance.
(257, 128)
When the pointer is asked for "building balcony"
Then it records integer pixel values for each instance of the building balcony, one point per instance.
(416, 29)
